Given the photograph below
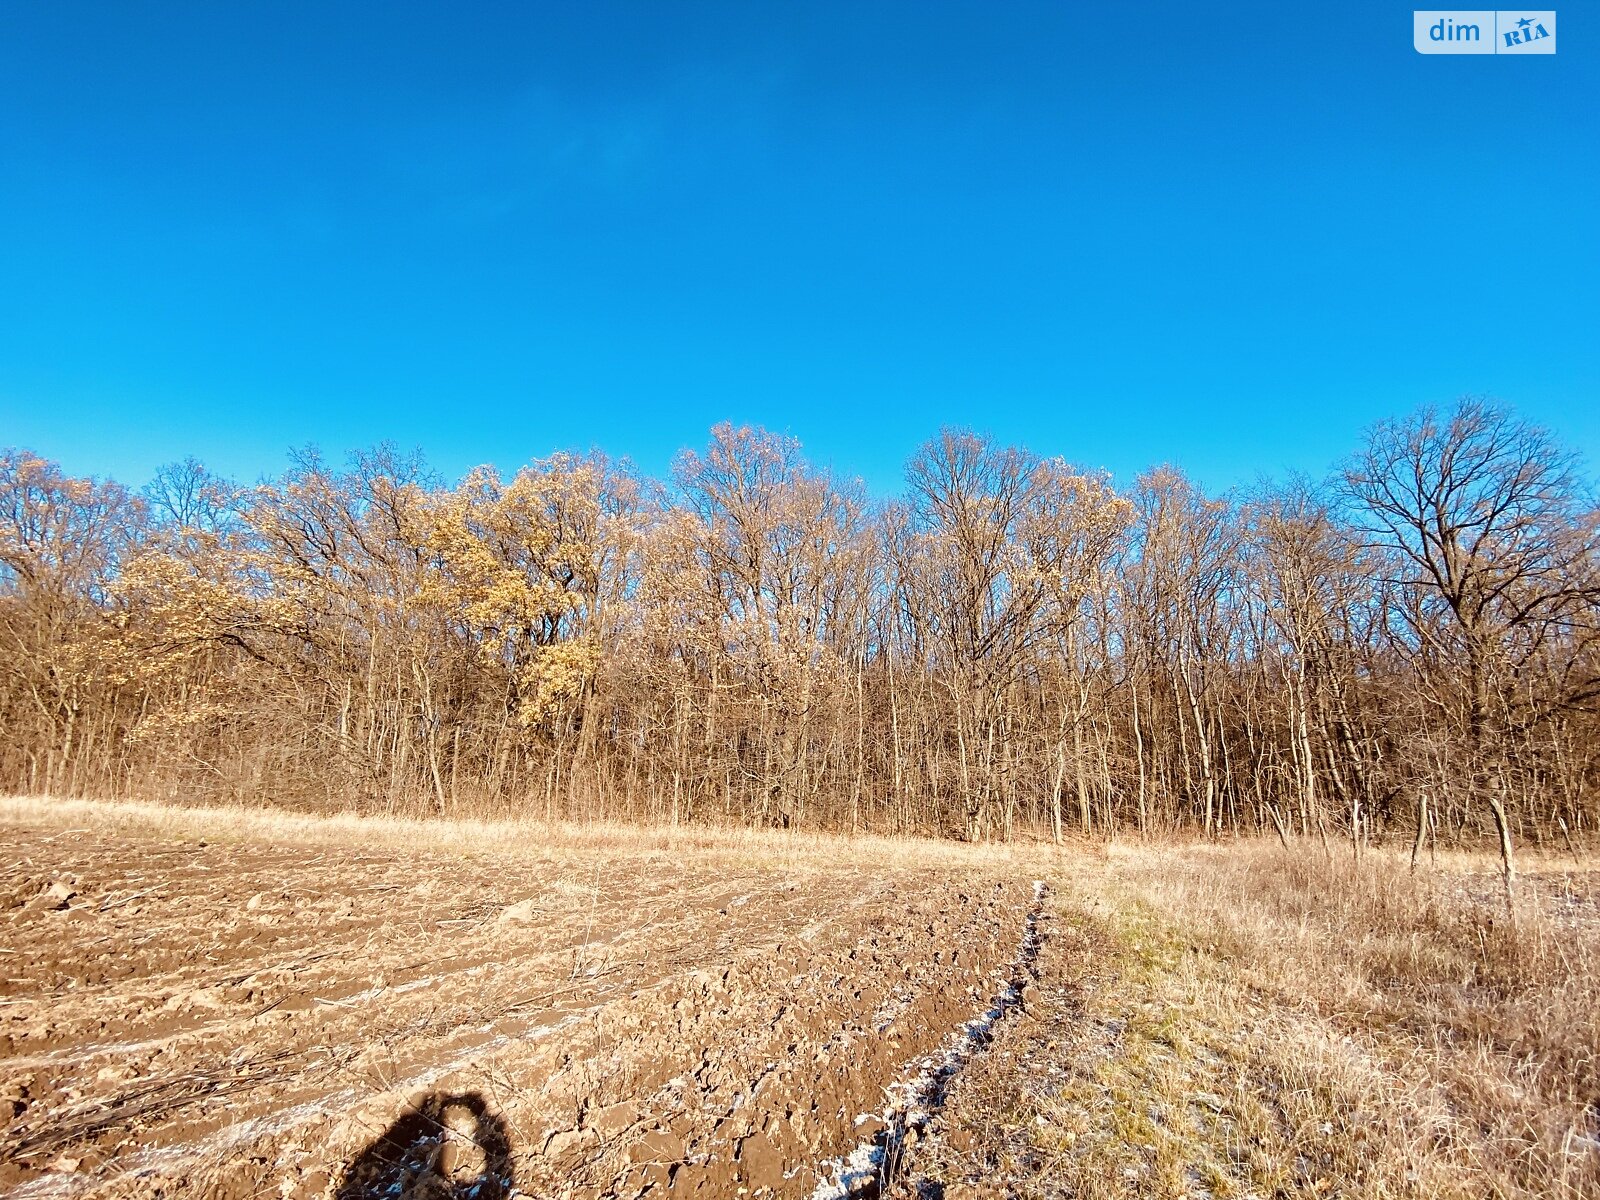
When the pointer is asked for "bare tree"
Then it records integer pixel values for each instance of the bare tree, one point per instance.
(1493, 542)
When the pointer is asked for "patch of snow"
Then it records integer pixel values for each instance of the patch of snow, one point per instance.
(852, 1174)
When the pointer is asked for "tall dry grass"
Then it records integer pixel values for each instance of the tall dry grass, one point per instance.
(1482, 1019)
(786, 849)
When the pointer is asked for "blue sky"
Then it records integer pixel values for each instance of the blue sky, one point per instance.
(1223, 238)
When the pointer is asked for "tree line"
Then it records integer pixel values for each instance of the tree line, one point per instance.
(1013, 647)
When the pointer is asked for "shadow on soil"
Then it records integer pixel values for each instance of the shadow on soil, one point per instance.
(447, 1147)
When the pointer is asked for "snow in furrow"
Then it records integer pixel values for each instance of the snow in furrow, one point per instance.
(917, 1095)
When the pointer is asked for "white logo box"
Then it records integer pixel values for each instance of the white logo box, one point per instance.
(1484, 31)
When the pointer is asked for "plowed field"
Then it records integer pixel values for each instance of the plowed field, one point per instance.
(195, 1011)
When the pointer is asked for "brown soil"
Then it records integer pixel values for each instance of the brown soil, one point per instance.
(244, 1018)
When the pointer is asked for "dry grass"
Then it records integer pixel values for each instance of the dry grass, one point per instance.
(1245, 1021)
(738, 846)
(1487, 1021)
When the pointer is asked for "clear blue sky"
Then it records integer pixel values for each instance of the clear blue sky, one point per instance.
(1222, 237)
